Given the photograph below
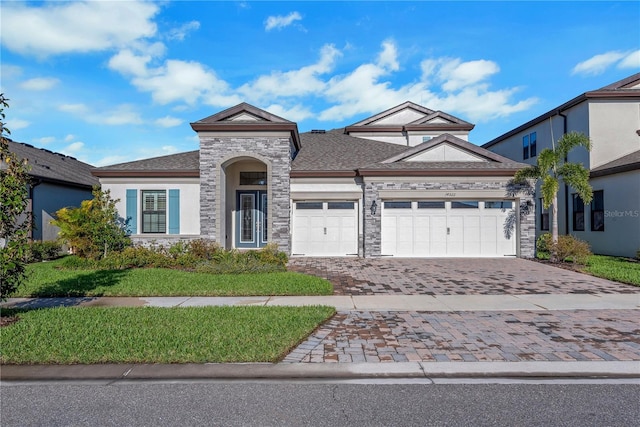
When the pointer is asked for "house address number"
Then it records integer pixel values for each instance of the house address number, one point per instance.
(450, 194)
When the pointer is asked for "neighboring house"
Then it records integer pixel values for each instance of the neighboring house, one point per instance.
(404, 182)
(610, 117)
(57, 181)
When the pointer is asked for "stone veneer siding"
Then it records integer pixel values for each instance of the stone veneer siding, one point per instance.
(373, 223)
(275, 151)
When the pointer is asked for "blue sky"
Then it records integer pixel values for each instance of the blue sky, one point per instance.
(109, 82)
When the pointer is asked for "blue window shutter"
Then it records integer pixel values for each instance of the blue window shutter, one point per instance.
(174, 211)
(132, 211)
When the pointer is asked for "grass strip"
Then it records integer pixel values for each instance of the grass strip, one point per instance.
(71, 335)
(614, 268)
(45, 280)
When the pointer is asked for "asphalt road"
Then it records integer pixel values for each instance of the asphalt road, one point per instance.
(318, 404)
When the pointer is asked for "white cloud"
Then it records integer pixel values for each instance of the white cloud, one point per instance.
(10, 71)
(168, 122)
(45, 140)
(15, 124)
(69, 138)
(73, 148)
(598, 64)
(128, 63)
(279, 21)
(56, 28)
(111, 160)
(298, 82)
(388, 58)
(39, 83)
(457, 74)
(122, 115)
(632, 60)
(296, 113)
(73, 108)
(181, 32)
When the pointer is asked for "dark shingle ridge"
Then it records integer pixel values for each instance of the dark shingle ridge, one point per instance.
(623, 164)
(50, 166)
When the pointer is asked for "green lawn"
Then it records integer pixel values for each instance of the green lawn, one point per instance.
(45, 280)
(614, 268)
(157, 335)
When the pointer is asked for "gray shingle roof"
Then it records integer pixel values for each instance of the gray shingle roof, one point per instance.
(56, 167)
(623, 164)
(187, 161)
(335, 151)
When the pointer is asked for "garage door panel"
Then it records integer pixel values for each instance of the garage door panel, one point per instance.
(435, 228)
(325, 229)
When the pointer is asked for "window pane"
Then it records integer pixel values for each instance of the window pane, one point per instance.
(525, 147)
(544, 217)
(397, 205)
(340, 205)
(435, 204)
(247, 204)
(597, 211)
(532, 144)
(498, 204)
(154, 211)
(309, 205)
(253, 178)
(598, 200)
(464, 204)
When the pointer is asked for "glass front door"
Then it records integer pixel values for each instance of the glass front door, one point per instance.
(251, 219)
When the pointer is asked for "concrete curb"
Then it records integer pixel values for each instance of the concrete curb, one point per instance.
(231, 371)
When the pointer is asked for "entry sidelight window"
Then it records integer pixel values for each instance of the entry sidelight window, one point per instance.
(154, 211)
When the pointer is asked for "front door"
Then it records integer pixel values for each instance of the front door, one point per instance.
(251, 219)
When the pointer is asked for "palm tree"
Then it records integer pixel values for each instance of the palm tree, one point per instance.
(551, 167)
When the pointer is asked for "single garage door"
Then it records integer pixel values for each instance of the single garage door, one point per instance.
(438, 228)
(327, 228)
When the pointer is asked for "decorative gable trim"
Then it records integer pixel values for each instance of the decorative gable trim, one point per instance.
(247, 118)
(452, 141)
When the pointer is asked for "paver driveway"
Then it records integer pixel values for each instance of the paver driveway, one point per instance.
(452, 276)
(519, 335)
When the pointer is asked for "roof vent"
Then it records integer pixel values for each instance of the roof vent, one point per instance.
(318, 131)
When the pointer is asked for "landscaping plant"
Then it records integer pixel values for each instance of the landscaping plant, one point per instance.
(15, 220)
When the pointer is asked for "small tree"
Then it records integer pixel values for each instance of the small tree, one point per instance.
(94, 228)
(550, 169)
(15, 221)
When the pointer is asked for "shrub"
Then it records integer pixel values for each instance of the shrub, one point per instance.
(568, 248)
(41, 251)
(573, 249)
(204, 249)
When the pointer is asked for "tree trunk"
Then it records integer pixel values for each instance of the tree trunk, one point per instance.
(554, 229)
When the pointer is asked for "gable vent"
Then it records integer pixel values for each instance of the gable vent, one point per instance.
(318, 131)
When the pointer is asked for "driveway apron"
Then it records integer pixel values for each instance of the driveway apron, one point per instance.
(467, 336)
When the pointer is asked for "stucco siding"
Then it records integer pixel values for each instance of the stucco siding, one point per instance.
(189, 199)
(612, 129)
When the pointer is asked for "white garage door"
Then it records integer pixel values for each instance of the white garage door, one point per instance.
(459, 228)
(325, 228)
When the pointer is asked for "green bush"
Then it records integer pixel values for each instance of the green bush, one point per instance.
(199, 255)
(568, 248)
(41, 251)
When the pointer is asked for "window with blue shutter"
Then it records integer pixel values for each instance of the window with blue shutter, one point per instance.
(132, 211)
(174, 211)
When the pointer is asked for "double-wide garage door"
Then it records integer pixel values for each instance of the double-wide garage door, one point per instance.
(459, 228)
(325, 228)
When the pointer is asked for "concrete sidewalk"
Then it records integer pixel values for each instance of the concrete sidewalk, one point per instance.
(435, 303)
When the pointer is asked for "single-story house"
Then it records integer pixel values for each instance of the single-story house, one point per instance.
(610, 117)
(404, 182)
(57, 181)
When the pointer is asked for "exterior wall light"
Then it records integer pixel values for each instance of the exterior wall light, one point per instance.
(374, 207)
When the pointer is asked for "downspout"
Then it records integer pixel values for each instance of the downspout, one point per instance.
(566, 187)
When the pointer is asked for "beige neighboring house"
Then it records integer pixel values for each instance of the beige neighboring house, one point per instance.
(610, 117)
(404, 182)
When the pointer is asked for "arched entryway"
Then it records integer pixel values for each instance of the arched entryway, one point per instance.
(244, 201)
